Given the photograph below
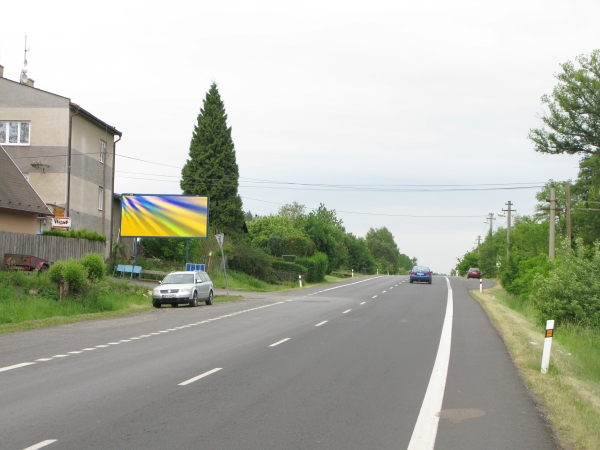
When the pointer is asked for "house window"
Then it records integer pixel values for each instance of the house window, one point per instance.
(102, 151)
(14, 133)
(100, 198)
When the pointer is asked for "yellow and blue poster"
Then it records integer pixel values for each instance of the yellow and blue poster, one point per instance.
(181, 216)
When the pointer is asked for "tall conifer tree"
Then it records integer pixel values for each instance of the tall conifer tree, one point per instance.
(212, 168)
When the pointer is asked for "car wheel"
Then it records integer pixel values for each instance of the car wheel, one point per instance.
(194, 301)
(174, 305)
(430, 281)
(209, 300)
(156, 304)
(411, 281)
(43, 269)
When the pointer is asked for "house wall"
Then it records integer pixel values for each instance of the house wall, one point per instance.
(49, 115)
(18, 221)
(88, 174)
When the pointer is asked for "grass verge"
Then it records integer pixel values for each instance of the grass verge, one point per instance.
(570, 391)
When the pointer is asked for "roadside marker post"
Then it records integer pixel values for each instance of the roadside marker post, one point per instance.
(480, 285)
(352, 273)
(300, 280)
(547, 345)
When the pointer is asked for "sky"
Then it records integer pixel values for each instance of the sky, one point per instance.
(390, 99)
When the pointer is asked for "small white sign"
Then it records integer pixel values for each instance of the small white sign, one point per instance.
(61, 222)
(220, 239)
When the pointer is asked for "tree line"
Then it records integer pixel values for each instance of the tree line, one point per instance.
(566, 288)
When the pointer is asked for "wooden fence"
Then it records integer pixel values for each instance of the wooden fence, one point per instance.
(52, 248)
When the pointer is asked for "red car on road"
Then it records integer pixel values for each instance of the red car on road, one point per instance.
(474, 273)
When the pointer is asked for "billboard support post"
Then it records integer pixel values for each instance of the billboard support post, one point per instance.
(135, 245)
(187, 250)
(219, 238)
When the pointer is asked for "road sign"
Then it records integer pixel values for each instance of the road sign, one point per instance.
(61, 222)
(220, 239)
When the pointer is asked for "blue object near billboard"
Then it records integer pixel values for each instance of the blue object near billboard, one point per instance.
(189, 267)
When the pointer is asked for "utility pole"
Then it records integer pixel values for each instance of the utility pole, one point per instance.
(508, 211)
(490, 218)
(478, 243)
(568, 207)
(552, 221)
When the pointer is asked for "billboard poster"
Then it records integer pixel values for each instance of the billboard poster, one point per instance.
(173, 216)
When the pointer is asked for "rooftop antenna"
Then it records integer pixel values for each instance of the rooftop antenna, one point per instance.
(24, 78)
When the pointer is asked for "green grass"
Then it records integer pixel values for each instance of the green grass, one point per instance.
(570, 392)
(29, 301)
(581, 342)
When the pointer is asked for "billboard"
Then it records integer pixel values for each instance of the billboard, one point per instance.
(182, 216)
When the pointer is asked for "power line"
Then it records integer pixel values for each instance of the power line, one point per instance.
(362, 213)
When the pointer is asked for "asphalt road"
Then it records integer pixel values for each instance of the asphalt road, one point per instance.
(347, 366)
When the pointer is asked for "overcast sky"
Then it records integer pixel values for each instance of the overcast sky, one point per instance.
(377, 94)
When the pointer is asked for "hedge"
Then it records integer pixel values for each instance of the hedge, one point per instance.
(77, 234)
(316, 265)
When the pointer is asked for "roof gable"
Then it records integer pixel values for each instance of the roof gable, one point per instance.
(16, 192)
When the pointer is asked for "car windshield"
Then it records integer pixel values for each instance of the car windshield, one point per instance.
(179, 278)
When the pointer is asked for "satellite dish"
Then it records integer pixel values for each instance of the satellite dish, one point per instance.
(24, 78)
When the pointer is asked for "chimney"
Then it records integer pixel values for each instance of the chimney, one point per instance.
(1, 71)
(30, 82)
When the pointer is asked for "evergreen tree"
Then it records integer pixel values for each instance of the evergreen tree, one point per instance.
(212, 168)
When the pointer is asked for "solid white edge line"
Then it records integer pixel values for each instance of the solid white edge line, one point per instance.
(205, 374)
(319, 324)
(16, 366)
(425, 431)
(41, 444)
(279, 342)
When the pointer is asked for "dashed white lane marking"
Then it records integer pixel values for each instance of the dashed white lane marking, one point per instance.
(178, 328)
(392, 287)
(205, 374)
(279, 342)
(16, 366)
(347, 311)
(374, 296)
(425, 431)
(363, 303)
(41, 444)
(384, 292)
(319, 324)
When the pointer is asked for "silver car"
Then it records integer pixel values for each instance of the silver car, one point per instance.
(183, 287)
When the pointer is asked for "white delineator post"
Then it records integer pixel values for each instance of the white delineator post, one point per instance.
(480, 285)
(300, 280)
(352, 273)
(547, 345)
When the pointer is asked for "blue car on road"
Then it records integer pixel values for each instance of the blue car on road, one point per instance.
(420, 273)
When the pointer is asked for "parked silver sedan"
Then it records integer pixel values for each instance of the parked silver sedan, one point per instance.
(183, 287)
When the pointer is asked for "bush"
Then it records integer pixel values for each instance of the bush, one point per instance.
(316, 267)
(94, 263)
(283, 266)
(273, 245)
(77, 234)
(570, 292)
(250, 259)
(72, 272)
(297, 245)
